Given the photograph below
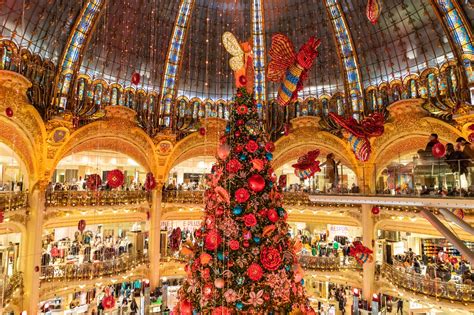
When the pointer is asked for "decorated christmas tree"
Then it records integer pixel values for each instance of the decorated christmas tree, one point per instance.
(243, 260)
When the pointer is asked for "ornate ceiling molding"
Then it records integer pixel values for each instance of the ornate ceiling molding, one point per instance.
(348, 57)
(259, 53)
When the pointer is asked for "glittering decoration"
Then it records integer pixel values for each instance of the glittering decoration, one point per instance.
(258, 46)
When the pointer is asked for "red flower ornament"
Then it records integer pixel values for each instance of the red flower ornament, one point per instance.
(242, 195)
(269, 147)
(213, 240)
(242, 109)
(233, 166)
(250, 220)
(115, 178)
(270, 258)
(255, 272)
(272, 215)
(234, 244)
(251, 146)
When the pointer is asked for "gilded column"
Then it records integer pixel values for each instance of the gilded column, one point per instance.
(154, 236)
(32, 264)
(368, 234)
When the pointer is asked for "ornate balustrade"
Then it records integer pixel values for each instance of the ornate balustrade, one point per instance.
(10, 201)
(328, 263)
(75, 198)
(90, 270)
(427, 286)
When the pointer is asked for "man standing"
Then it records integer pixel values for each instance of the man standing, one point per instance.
(400, 306)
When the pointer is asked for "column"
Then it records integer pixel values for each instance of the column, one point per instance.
(368, 234)
(32, 266)
(154, 237)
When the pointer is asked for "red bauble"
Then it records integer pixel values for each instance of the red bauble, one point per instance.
(150, 182)
(81, 225)
(471, 137)
(272, 215)
(9, 112)
(136, 78)
(439, 150)
(240, 122)
(115, 178)
(237, 134)
(246, 244)
(202, 131)
(108, 302)
(185, 307)
(256, 182)
(270, 147)
(93, 181)
(255, 272)
(375, 210)
(213, 240)
(242, 80)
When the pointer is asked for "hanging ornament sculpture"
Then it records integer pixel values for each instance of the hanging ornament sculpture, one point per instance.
(81, 225)
(115, 178)
(358, 133)
(136, 78)
(361, 253)
(93, 182)
(108, 302)
(9, 112)
(290, 68)
(150, 182)
(374, 8)
(307, 165)
(438, 150)
(241, 61)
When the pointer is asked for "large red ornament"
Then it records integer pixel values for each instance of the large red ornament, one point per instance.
(213, 240)
(93, 182)
(81, 225)
(255, 272)
(9, 112)
(150, 182)
(373, 11)
(108, 302)
(136, 78)
(375, 210)
(270, 258)
(439, 150)
(256, 182)
(202, 131)
(115, 178)
(185, 308)
(272, 215)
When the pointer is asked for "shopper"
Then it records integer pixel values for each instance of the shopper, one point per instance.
(433, 139)
(400, 306)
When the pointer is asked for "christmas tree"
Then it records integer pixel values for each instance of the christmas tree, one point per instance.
(243, 260)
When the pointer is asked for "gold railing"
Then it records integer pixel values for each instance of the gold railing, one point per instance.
(428, 286)
(328, 263)
(197, 197)
(75, 198)
(85, 271)
(10, 286)
(10, 201)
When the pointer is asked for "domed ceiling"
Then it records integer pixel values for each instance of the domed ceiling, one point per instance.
(134, 35)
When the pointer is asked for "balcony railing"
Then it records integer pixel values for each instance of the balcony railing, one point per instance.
(328, 263)
(428, 286)
(10, 201)
(90, 270)
(75, 198)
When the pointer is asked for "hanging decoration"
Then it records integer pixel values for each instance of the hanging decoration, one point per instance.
(93, 182)
(374, 8)
(108, 302)
(2, 215)
(438, 150)
(358, 133)
(150, 182)
(115, 178)
(135, 78)
(307, 165)
(375, 210)
(9, 112)
(361, 253)
(202, 131)
(241, 61)
(175, 239)
(470, 138)
(81, 225)
(290, 68)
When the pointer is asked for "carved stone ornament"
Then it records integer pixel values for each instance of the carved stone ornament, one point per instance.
(164, 147)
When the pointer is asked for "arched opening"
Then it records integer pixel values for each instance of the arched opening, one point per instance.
(13, 174)
(190, 174)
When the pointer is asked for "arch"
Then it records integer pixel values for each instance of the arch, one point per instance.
(115, 134)
(306, 136)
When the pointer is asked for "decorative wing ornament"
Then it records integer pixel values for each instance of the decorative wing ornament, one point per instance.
(241, 61)
(307, 165)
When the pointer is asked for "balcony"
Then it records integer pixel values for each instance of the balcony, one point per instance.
(11, 201)
(74, 271)
(427, 286)
(74, 198)
(328, 263)
(10, 286)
